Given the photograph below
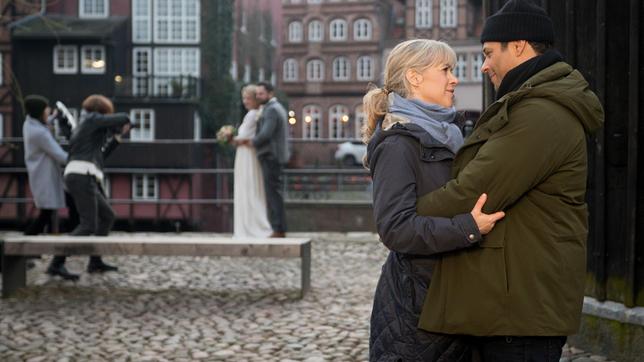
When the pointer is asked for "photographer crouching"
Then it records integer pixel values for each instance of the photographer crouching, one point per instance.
(97, 134)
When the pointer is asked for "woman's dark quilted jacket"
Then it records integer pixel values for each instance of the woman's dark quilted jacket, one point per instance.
(405, 162)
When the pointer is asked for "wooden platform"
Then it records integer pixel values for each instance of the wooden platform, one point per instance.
(15, 249)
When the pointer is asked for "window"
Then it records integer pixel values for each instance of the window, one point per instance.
(93, 8)
(1, 127)
(460, 71)
(295, 32)
(247, 73)
(196, 122)
(141, 21)
(312, 116)
(477, 63)
(141, 71)
(359, 121)
(341, 69)
(423, 14)
(338, 122)
(365, 68)
(176, 21)
(315, 70)
(144, 119)
(172, 65)
(316, 31)
(290, 70)
(65, 59)
(1, 69)
(314, 1)
(448, 13)
(261, 75)
(145, 187)
(362, 29)
(338, 30)
(93, 59)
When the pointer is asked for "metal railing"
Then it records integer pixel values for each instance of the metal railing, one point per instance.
(300, 186)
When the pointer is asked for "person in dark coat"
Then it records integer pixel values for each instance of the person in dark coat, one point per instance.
(412, 140)
(96, 135)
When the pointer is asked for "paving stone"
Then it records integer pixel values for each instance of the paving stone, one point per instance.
(204, 308)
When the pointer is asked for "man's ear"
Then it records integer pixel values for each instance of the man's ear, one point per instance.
(519, 47)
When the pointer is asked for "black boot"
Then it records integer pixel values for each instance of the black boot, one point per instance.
(96, 265)
(60, 270)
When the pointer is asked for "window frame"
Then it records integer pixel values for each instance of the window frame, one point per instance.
(334, 28)
(89, 70)
(290, 70)
(368, 29)
(183, 19)
(138, 134)
(336, 69)
(147, 18)
(84, 15)
(359, 119)
(310, 70)
(338, 130)
(145, 178)
(309, 129)
(319, 31)
(448, 13)
(68, 70)
(295, 32)
(477, 62)
(424, 12)
(461, 67)
(360, 65)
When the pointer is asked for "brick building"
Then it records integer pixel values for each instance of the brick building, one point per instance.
(332, 51)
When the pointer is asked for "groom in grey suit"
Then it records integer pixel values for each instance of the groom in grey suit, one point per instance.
(272, 151)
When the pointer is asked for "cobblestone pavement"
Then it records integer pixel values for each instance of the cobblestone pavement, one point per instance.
(185, 308)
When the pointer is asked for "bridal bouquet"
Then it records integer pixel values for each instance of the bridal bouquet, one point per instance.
(226, 134)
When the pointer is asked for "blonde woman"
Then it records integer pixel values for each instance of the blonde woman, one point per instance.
(412, 139)
(250, 215)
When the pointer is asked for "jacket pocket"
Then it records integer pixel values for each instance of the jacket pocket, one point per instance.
(496, 238)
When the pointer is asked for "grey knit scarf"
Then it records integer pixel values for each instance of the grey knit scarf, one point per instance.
(436, 120)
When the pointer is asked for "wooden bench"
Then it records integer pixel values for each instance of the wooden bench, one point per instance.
(15, 249)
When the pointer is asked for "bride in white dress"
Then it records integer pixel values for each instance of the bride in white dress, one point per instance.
(250, 215)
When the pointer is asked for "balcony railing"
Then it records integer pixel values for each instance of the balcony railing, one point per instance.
(167, 87)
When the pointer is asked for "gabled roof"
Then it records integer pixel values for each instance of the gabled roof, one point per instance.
(67, 27)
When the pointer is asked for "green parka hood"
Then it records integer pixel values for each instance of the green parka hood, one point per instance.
(570, 90)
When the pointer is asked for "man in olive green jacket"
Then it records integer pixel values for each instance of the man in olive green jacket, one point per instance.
(528, 153)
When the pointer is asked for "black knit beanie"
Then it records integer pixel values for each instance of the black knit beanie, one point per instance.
(35, 105)
(519, 20)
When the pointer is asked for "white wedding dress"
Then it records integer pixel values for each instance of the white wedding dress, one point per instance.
(250, 213)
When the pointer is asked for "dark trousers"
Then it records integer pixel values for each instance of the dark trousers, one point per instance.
(272, 173)
(520, 349)
(94, 211)
(44, 222)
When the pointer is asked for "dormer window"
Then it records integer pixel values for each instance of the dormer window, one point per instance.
(93, 8)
